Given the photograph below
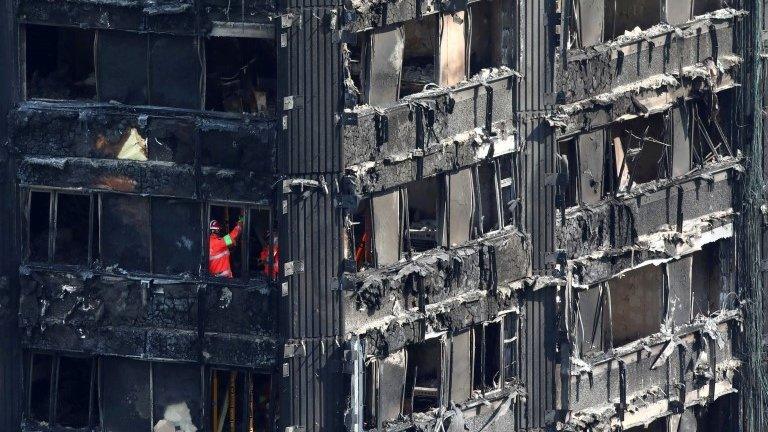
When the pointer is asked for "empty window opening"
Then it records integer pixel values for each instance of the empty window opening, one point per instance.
(710, 140)
(487, 356)
(40, 387)
(355, 52)
(486, 34)
(681, 11)
(644, 152)
(658, 425)
(264, 253)
(711, 280)
(419, 56)
(39, 218)
(636, 307)
(63, 391)
(569, 167)
(176, 241)
(226, 248)
(126, 403)
(72, 228)
(240, 401)
(424, 376)
(116, 82)
(75, 392)
(241, 75)
(59, 63)
(630, 16)
(510, 364)
(423, 215)
(509, 179)
(488, 198)
(126, 231)
(718, 416)
(370, 403)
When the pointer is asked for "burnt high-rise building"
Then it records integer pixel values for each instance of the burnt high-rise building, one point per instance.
(382, 215)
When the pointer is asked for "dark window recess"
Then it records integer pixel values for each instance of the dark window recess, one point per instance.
(174, 74)
(420, 54)
(636, 304)
(240, 401)
(59, 63)
(176, 242)
(72, 228)
(227, 218)
(591, 311)
(509, 175)
(357, 67)
(39, 220)
(486, 39)
(510, 344)
(95, 228)
(125, 231)
(40, 386)
(370, 404)
(642, 152)
(176, 395)
(122, 63)
(487, 356)
(587, 23)
(241, 75)
(568, 164)
(626, 15)
(74, 392)
(423, 215)
(424, 376)
(127, 405)
(711, 279)
(262, 243)
(488, 198)
(361, 235)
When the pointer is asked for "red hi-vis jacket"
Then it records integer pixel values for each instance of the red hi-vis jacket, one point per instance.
(218, 252)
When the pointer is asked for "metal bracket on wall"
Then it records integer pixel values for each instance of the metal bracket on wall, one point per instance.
(291, 102)
(294, 429)
(293, 349)
(293, 267)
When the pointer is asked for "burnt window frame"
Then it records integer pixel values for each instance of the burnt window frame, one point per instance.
(364, 42)
(245, 272)
(94, 402)
(479, 336)
(220, 30)
(26, 201)
(22, 67)
(207, 401)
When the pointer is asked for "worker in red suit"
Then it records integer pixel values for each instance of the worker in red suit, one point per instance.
(270, 269)
(218, 248)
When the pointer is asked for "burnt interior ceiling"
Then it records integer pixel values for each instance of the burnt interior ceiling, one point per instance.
(389, 215)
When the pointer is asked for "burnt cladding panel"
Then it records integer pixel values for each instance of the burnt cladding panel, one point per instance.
(539, 211)
(538, 371)
(10, 397)
(312, 394)
(536, 54)
(312, 228)
(311, 67)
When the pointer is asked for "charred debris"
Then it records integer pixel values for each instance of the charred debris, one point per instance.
(479, 215)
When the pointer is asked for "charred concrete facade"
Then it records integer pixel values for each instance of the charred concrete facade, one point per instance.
(479, 215)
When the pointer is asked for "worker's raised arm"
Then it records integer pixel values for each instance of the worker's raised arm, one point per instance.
(231, 238)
